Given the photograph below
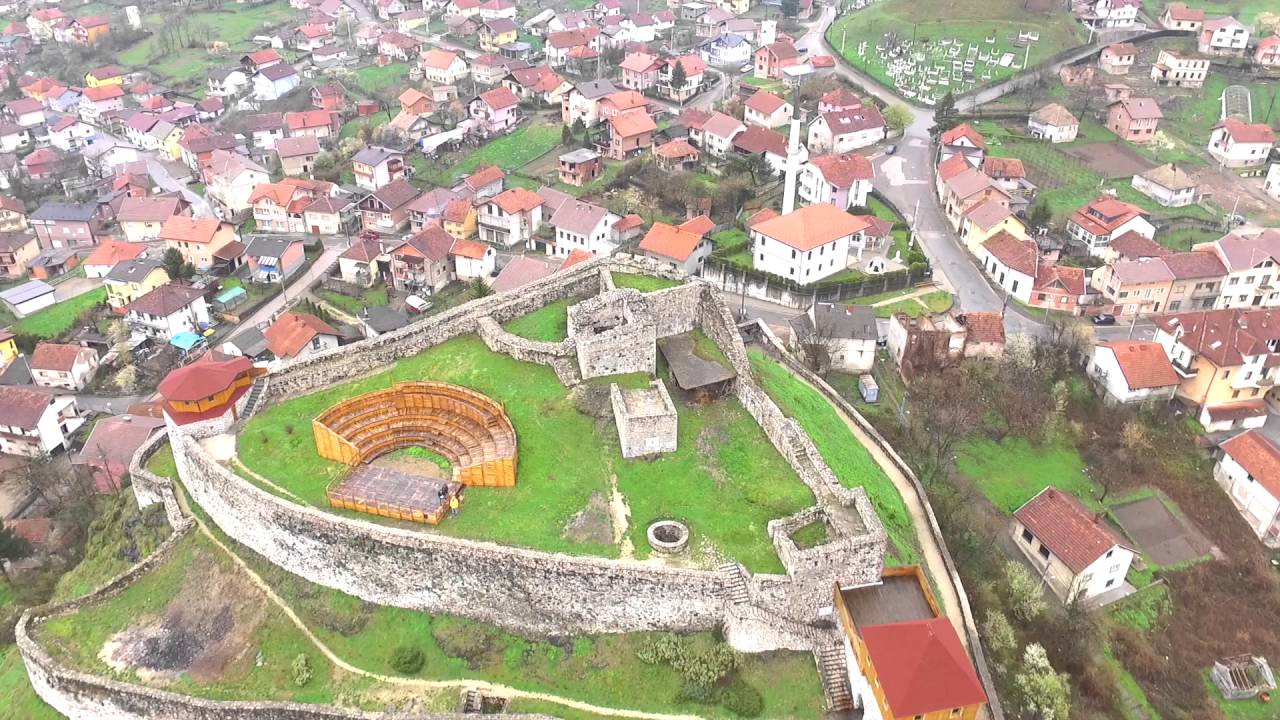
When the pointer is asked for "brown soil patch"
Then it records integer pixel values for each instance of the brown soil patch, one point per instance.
(591, 524)
(206, 629)
(1163, 537)
(1110, 160)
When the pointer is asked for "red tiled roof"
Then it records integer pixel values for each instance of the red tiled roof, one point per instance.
(517, 200)
(700, 225)
(110, 252)
(963, 130)
(165, 300)
(811, 227)
(952, 167)
(203, 378)
(1243, 132)
(984, 327)
(1132, 245)
(1259, 457)
(291, 332)
(1144, 364)
(484, 176)
(756, 139)
(1013, 253)
(59, 357)
(998, 167)
(844, 170)
(1224, 336)
(922, 667)
(23, 405)
(1063, 525)
(670, 241)
(678, 148)
(499, 98)
(469, 249)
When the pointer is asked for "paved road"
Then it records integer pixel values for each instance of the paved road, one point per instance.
(361, 11)
(199, 206)
(263, 315)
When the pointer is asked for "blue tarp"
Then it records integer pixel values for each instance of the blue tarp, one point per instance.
(185, 341)
(227, 296)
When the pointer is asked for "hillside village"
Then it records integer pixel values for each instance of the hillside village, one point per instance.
(1007, 269)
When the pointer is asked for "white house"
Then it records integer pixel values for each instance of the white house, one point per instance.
(1272, 184)
(1223, 36)
(472, 259)
(167, 311)
(275, 81)
(845, 130)
(1249, 471)
(35, 420)
(842, 180)
(1237, 144)
(1168, 185)
(297, 335)
(1109, 13)
(805, 245)
(511, 217)
(1072, 550)
(581, 225)
(442, 67)
(1011, 262)
(1053, 123)
(766, 110)
(1105, 219)
(847, 334)
(679, 246)
(718, 133)
(59, 365)
(1133, 371)
(227, 82)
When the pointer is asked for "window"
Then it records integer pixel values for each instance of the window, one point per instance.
(1111, 582)
(1110, 552)
(1044, 552)
(1027, 537)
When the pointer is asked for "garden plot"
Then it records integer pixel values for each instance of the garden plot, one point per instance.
(1110, 160)
(1163, 537)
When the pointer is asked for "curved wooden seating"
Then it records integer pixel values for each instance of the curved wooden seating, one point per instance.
(468, 428)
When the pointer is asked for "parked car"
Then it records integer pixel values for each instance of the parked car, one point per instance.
(891, 150)
(1103, 319)
(746, 68)
(416, 304)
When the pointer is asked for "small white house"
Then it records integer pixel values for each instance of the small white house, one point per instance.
(472, 259)
(1053, 123)
(35, 420)
(59, 365)
(1272, 184)
(1073, 550)
(847, 333)
(1249, 471)
(1133, 371)
(678, 246)
(1168, 185)
(168, 311)
(1237, 144)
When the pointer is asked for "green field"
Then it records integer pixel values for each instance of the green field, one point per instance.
(1013, 470)
(840, 448)
(55, 320)
(373, 79)
(548, 324)
(509, 152)
(938, 301)
(373, 297)
(643, 283)
(725, 479)
(1192, 118)
(233, 25)
(970, 22)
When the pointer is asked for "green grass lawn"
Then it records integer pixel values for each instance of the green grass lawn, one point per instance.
(1252, 709)
(970, 21)
(351, 127)
(643, 283)
(55, 320)
(1012, 471)
(840, 448)
(20, 699)
(1192, 118)
(162, 463)
(938, 301)
(1142, 610)
(119, 536)
(725, 479)
(549, 323)
(373, 79)
(234, 25)
(509, 152)
(373, 297)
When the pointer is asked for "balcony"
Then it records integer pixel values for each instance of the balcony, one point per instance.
(1185, 371)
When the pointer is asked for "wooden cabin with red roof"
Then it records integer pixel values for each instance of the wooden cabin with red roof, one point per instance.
(214, 387)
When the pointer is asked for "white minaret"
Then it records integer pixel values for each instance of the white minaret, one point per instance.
(792, 169)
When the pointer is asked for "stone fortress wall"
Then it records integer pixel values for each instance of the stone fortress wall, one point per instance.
(522, 590)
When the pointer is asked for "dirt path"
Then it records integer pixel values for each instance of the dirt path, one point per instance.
(914, 295)
(479, 685)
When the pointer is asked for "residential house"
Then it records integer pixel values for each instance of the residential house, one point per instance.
(842, 180)
(266, 129)
(329, 96)
(358, 264)
(1249, 472)
(1098, 223)
(1267, 53)
(492, 9)
(271, 259)
(844, 130)
(1174, 69)
(198, 239)
(1226, 361)
(375, 167)
(458, 218)
(297, 335)
(1011, 262)
(319, 124)
(495, 33)
(510, 218)
(579, 167)
(807, 244)
(640, 71)
(26, 112)
(1237, 144)
(962, 140)
(1108, 13)
(1118, 59)
(472, 260)
(1011, 175)
(420, 264)
(13, 214)
(560, 45)
(1134, 119)
(679, 246)
(97, 102)
(485, 182)
(442, 67)
(1060, 287)
(141, 218)
(386, 210)
(58, 365)
(1224, 36)
(580, 225)
(630, 134)
(1169, 185)
(1271, 185)
(1053, 123)
(168, 311)
(13, 137)
(896, 643)
(766, 110)
(495, 111)
(69, 134)
(275, 81)
(131, 279)
(89, 30)
(327, 215)
(1132, 371)
(1250, 262)
(107, 254)
(230, 179)
(199, 143)
(1074, 552)
(227, 82)
(582, 103)
(490, 68)
(965, 191)
(297, 155)
(726, 50)
(1177, 16)
(388, 9)
(36, 421)
(693, 67)
(65, 224)
(987, 219)
(769, 143)
(844, 335)
(398, 46)
(679, 155)
(772, 59)
(539, 84)
(17, 249)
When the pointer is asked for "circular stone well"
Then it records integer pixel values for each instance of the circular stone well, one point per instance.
(668, 536)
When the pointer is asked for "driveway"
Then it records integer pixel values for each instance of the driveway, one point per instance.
(265, 314)
(74, 287)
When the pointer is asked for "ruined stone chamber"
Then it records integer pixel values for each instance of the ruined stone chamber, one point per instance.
(615, 333)
(467, 428)
(646, 419)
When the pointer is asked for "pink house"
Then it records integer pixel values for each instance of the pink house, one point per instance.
(496, 110)
(271, 258)
(640, 71)
(1268, 52)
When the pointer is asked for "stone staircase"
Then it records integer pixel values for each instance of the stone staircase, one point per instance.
(256, 394)
(734, 590)
(472, 703)
(834, 672)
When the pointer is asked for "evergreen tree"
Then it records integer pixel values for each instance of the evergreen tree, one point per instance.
(945, 115)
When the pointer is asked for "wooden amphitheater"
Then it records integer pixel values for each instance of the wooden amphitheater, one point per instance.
(469, 429)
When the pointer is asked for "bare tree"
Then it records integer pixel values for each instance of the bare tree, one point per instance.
(944, 409)
(816, 344)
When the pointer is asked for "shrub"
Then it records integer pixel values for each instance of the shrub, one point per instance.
(474, 645)
(658, 649)
(696, 693)
(999, 636)
(1026, 600)
(407, 660)
(708, 666)
(301, 670)
(742, 699)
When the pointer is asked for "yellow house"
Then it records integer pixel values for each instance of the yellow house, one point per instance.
(459, 219)
(987, 219)
(897, 641)
(171, 147)
(131, 279)
(109, 75)
(737, 7)
(496, 33)
(8, 348)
